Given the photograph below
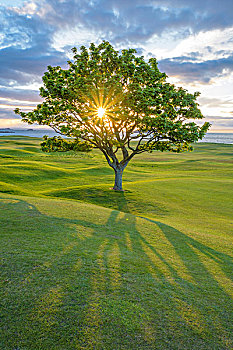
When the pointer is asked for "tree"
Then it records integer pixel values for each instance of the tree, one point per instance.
(118, 103)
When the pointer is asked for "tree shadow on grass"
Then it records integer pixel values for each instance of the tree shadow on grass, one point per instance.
(122, 201)
(108, 283)
(188, 249)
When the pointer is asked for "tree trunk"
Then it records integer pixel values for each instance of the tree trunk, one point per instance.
(118, 179)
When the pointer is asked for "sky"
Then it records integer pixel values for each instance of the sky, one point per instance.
(192, 41)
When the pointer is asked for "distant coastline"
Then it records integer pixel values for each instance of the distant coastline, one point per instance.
(28, 132)
(6, 131)
(226, 138)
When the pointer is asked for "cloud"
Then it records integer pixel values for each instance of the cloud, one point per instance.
(206, 15)
(202, 72)
(8, 114)
(118, 21)
(20, 95)
(193, 40)
(124, 21)
(137, 20)
(38, 33)
(26, 48)
(220, 123)
(219, 118)
(223, 123)
(215, 102)
(22, 66)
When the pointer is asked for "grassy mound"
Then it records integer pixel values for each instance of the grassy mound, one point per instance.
(84, 267)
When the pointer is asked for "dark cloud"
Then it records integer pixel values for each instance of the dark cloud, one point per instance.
(182, 59)
(13, 104)
(137, 20)
(223, 123)
(120, 21)
(20, 94)
(196, 71)
(27, 50)
(206, 15)
(219, 121)
(8, 114)
(23, 66)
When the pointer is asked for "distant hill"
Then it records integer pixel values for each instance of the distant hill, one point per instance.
(7, 131)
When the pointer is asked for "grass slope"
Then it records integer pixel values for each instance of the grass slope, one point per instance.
(150, 268)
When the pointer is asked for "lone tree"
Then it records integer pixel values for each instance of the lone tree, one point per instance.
(119, 103)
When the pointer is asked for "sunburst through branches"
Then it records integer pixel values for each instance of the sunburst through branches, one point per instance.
(102, 104)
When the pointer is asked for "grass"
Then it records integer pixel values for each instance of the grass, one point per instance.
(84, 267)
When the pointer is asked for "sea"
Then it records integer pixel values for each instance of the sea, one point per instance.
(226, 138)
(212, 137)
(28, 132)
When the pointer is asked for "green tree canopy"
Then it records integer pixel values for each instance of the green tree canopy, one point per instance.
(119, 103)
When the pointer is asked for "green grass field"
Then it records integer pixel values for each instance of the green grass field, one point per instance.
(84, 267)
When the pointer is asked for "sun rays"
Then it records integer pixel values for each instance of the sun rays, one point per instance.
(102, 103)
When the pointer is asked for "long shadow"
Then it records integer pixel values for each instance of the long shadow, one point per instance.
(106, 285)
(203, 282)
(185, 247)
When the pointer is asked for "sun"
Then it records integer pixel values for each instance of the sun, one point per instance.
(101, 112)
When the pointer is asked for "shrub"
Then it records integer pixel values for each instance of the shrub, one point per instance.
(58, 144)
